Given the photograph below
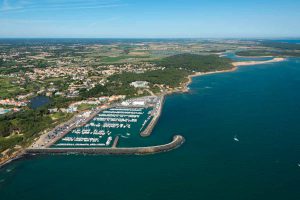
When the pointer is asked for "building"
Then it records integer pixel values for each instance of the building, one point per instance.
(138, 103)
(140, 84)
(125, 103)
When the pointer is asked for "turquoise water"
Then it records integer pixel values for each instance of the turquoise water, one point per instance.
(232, 56)
(260, 105)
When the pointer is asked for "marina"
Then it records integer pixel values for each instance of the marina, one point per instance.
(118, 126)
(106, 126)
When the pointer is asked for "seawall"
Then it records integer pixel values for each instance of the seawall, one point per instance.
(147, 132)
(177, 141)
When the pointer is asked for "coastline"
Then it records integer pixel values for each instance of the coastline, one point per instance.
(196, 74)
(183, 89)
(246, 63)
(235, 66)
(16, 155)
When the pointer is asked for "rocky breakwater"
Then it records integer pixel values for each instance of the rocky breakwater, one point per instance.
(177, 141)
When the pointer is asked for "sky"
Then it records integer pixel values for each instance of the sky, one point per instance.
(150, 18)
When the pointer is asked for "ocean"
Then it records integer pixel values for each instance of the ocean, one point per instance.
(258, 105)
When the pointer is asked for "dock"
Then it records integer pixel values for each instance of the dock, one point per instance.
(116, 142)
(147, 132)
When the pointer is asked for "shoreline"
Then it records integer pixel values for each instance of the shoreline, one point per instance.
(184, 89)
(17, 155)
(247, 63)
(235, 66)
(198, 74)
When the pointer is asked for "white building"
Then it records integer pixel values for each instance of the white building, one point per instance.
(140, 84)
(125, 103)
(138, 103)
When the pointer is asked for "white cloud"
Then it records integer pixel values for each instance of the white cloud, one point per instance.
(7, 6)
(26, 5)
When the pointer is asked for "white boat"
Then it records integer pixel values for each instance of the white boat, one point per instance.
(109, 139)
(236, 139)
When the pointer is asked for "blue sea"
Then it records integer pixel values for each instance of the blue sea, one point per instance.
(258, 105)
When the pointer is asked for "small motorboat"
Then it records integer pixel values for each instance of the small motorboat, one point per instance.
(236, 139)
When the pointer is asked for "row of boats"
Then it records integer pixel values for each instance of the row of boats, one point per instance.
(117, 118)
(127, 109)
(81, 144)
(119, 115)
(103, 119)
(116, 125)
(98, 131)
(123, 112)
(87, 131)
(146, 121)
(86, 140)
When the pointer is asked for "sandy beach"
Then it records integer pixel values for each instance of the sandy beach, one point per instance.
(245, 63)
(235, 67)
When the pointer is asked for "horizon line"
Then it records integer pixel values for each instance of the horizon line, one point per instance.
(242, 37)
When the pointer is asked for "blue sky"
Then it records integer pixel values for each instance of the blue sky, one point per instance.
(150, 18)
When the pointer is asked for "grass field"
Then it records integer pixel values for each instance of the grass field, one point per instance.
(85, 106)
(9, 142)
(121, 58)
(8, 89)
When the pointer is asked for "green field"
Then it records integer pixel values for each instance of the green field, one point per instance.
(121, 58)
(8, 89)
(86, 106)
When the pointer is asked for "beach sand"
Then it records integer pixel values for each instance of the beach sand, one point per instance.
(235, 67)
(245, 63)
